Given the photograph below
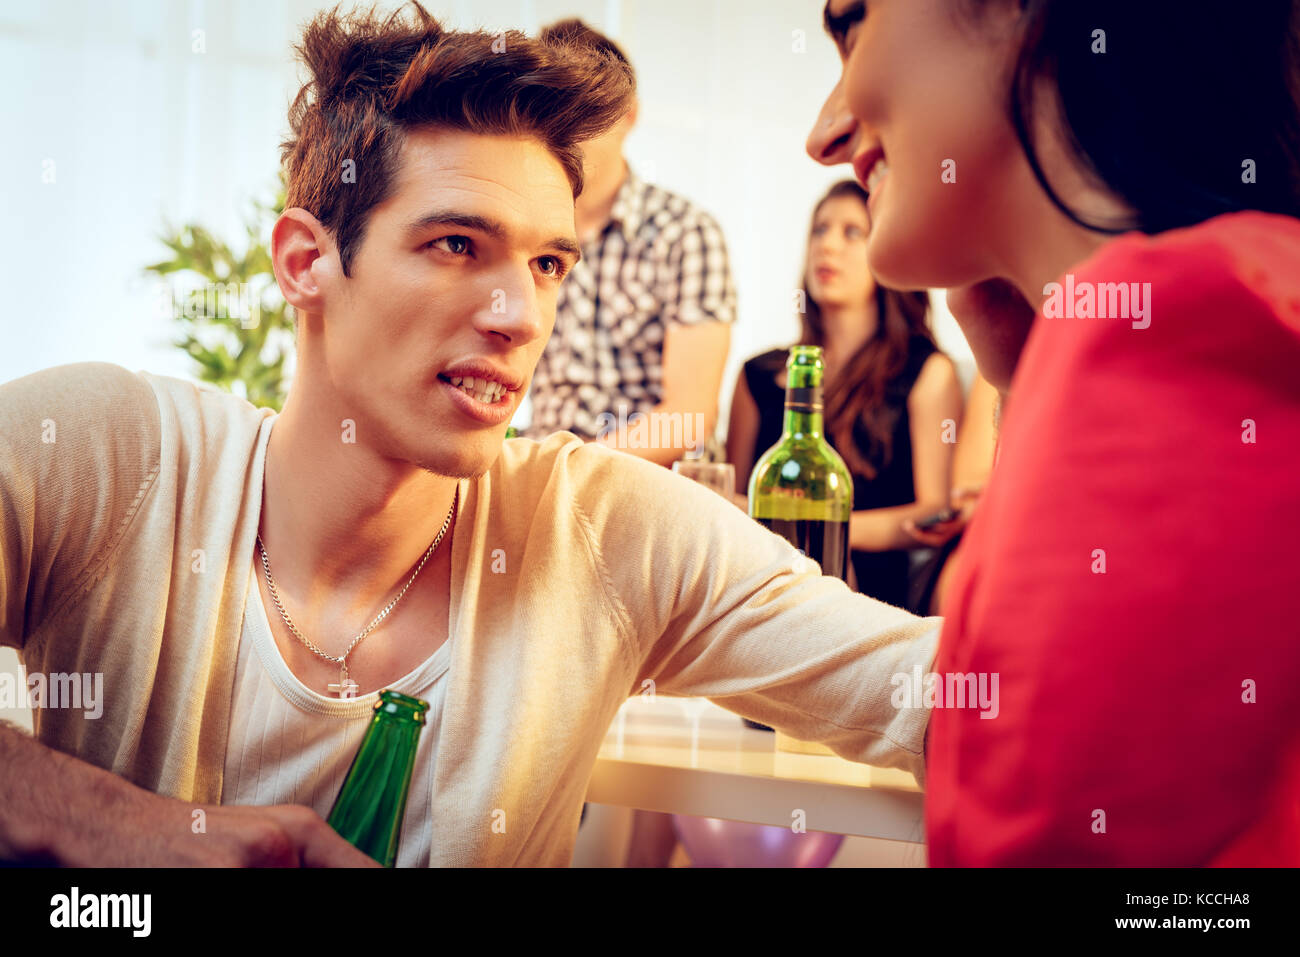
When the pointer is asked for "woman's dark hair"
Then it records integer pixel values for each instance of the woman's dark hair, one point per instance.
(1168, 116)
(857, 392)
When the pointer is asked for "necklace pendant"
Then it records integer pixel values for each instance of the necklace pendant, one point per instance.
(345, 687)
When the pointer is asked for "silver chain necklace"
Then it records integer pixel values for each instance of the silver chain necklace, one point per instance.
(346, 687)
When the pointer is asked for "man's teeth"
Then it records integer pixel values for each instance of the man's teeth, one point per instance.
(485, 390)
(876, 175)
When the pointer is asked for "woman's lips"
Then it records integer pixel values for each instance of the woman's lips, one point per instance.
(871, 197)
(825, 275)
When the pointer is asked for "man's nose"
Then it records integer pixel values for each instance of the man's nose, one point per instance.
(832, 139)
(513, 310)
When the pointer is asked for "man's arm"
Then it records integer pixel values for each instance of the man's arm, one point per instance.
(698, 297)
(55, 809)
(78, 445)
(716, 606)
(693, 361)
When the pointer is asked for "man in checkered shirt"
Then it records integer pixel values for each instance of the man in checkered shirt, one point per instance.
(643, 322)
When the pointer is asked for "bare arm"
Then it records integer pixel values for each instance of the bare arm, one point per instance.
(56, 809)
(742, 433)
(694, 356)
(935, 397)
(973, 459)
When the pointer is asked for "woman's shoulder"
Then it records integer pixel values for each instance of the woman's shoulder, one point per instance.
(766, 365)
(1244, 258)
(772, 358)
(1173, 328)
(921, 349)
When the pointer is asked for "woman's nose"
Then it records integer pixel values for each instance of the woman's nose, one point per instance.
(832, 138)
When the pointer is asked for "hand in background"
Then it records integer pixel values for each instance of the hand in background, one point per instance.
(964, 501)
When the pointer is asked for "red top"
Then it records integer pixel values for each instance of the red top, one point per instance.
(1133, 576)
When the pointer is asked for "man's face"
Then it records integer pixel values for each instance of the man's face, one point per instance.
(456, 277)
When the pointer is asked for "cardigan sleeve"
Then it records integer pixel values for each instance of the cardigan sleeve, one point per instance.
(717, 606)
(79, 448)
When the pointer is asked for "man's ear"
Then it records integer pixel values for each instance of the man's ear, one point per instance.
(304, 258)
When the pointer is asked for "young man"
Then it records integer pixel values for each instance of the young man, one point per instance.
(185, 546)
(644, 323)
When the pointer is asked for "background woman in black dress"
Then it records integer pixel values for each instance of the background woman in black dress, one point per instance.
(893, 400)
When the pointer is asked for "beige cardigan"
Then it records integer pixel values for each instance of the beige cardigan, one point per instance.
(616, 571)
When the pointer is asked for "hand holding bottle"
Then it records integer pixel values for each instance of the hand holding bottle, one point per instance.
(57, 809)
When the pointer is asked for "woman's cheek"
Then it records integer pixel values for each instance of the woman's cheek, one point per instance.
(905, 231)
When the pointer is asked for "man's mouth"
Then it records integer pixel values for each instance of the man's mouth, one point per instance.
(485, 390)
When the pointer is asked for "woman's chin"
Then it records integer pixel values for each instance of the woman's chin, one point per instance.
(996, 320)
(904, 266)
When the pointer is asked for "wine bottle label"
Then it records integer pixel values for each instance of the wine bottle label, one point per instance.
(804, 400)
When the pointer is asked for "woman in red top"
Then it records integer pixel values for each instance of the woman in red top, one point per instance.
(1110, 192)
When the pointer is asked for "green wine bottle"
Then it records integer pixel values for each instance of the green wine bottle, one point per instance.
(368, 811)
(801, 488)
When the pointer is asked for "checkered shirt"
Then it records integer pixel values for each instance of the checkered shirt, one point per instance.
(659, 260)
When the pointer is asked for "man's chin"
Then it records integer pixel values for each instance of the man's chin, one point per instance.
(467, 465)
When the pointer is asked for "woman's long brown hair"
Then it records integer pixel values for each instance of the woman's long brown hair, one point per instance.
(858, 391)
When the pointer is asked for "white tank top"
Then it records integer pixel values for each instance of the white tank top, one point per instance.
(292, 745)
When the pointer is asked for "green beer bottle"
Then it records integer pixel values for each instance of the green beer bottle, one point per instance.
(368, 811)
(801, 488)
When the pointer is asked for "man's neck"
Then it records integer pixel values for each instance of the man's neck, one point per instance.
(338, 519)
(592, 209)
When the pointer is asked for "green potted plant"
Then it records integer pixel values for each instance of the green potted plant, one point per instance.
(232, 320)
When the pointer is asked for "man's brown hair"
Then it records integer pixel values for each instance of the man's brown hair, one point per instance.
(575, 34)
(372, 78)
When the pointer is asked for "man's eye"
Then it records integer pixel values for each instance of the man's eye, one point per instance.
(557, 271)
(453, 240)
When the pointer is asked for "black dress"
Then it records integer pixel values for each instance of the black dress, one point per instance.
(881, 575)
